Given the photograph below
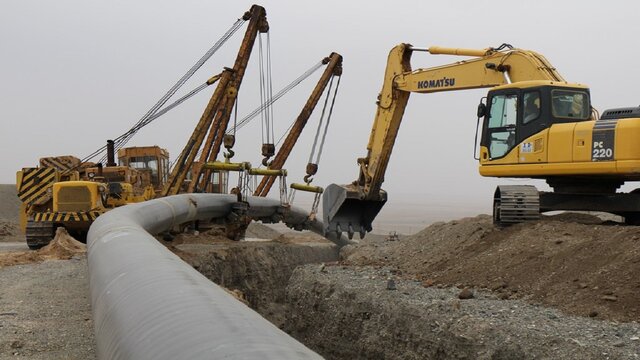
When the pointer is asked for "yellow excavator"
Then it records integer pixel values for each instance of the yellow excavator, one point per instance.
(534, 125)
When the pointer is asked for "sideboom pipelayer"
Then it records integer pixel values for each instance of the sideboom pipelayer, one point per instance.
(69, 192)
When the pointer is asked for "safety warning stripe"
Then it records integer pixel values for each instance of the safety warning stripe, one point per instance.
(35, 181)
(60, 163)
(66, 216)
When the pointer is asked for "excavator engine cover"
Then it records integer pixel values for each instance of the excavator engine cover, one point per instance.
(344, 210)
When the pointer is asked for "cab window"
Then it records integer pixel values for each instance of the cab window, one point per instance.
(531, 101)
(146, 163)
(502, 124)
(570, 104)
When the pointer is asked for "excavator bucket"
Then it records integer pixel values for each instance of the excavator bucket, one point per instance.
(344, 210)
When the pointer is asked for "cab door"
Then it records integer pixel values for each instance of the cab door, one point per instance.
(499, 133)
(532, 135)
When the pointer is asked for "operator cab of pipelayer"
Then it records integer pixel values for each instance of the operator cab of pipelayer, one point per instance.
(517, 111)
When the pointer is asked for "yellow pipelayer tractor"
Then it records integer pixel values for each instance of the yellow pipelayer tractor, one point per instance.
(62, 191)
(535, 125)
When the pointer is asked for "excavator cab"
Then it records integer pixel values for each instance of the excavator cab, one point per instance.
(516, 112)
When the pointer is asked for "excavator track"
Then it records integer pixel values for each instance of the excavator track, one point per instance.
(39, 233)
(515, 203)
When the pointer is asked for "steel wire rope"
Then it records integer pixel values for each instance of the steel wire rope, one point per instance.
(195, 68)
(326, 127)
(324, 108)
(270, 83)
(163, 111)
(127, 135)
(245, 120)
(263, 105)
(266, 90)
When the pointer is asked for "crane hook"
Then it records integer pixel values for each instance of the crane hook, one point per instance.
(268, 150)
(229, 140)
(312, 169)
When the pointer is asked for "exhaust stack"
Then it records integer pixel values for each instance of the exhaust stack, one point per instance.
(111, 153)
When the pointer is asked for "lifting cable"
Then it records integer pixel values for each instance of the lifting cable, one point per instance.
(245, 120)
(266, 94)
(147, 121)
(124, 138)
(312, 168)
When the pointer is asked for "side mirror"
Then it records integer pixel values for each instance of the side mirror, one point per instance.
(482, 110)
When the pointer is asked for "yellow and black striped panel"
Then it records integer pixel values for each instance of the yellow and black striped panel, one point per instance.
(66, 216)
(35, 182)
(61, 163)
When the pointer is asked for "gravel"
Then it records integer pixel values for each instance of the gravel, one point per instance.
(45, 311)
(349, 313)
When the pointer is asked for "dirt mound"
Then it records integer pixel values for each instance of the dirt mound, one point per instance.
(301, 238)
(9, 202)
(575, 262)
(62, 247)
(261, 231)
(8, 228)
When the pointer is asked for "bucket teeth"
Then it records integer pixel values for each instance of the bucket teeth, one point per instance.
(344, 206)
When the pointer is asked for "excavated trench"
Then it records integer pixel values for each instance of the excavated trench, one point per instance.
(347, 312)
(256, 272)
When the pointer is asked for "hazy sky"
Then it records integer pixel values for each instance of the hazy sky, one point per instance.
(76, 73)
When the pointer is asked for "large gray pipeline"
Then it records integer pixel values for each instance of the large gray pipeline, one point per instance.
(149, 304)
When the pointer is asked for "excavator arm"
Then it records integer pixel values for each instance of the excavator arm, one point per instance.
(353, 207)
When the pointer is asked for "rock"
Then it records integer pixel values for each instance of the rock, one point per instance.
(427, 283)
(391, 284)
(502, 285)
(609, 298)
(465, 294)
(593, 313)
(17, 344)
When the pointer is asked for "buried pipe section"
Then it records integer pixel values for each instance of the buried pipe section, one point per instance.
(149, 304)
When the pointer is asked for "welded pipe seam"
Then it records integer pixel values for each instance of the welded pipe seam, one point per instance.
(149, 304)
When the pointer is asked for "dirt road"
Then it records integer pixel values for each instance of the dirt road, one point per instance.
(45, 311)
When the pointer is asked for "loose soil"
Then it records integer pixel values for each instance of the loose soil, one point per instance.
(346, 312)
(9, 208)
(62, 247)
(574, 262)
(9, 203)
